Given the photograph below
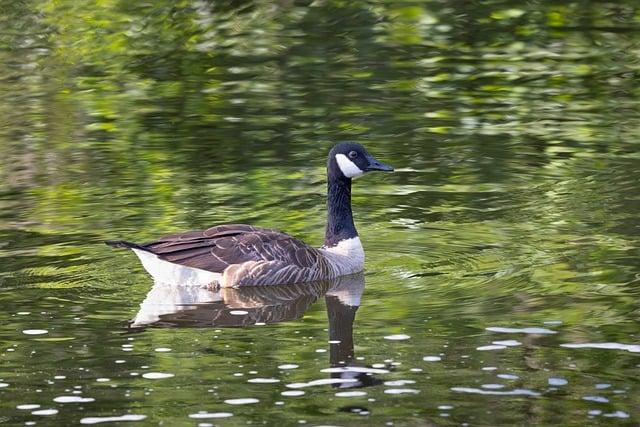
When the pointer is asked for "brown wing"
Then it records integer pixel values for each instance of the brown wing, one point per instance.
(218, 247)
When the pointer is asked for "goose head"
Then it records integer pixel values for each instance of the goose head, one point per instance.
(351, 160)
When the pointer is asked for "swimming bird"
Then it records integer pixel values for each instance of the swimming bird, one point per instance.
(235, 255)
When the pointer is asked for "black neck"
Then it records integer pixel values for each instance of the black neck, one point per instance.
(339, 216)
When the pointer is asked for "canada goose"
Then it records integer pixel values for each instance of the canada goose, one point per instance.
(243, 255)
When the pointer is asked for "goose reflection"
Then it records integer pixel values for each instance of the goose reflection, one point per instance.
(168, 306)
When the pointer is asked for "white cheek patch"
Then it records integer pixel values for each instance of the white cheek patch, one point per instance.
(348, 168)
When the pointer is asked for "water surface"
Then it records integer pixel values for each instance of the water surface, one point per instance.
(502, 275)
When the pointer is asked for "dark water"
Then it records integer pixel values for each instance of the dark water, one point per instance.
(502, 278)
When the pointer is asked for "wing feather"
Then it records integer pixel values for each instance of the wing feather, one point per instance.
(246, 254)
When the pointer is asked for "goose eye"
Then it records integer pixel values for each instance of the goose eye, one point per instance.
(353, 154)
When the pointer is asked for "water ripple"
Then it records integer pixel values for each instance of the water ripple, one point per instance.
(515, 392)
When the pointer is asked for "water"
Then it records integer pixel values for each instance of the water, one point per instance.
(501, 284)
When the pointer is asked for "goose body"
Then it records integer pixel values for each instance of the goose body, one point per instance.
(234, 255)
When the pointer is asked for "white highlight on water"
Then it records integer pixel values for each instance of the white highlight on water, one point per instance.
(323, 381)
(157, 375)
(508, 376)
(35, 331)
(203, 415)
(45, 412)
(557, 381)
(397, 337)
(263, 380)
(28, 406)
(73, 399)
(242, 401)
(491, 347)
(507, 343)
(598, 399)
(401, 391)
(633, 348)
(360, 369)
(355, 393)
(516, 392)
(288, 366)
(538, 331)
(617, 414)
(399, 383)
(492, 386)
(98, 420)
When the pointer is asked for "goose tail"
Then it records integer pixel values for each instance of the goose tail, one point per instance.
(123, 244)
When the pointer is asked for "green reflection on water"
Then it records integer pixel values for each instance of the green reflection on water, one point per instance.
(514, 129)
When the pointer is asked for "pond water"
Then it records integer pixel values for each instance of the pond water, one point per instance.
(502, 280)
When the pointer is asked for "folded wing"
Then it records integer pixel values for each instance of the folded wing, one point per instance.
(257, 256)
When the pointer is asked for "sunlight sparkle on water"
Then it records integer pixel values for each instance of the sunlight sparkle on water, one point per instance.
(508, 376)
(401, 391)
(288, 366)
(45, 412)
(99, 420)
(28, 406)
(398, 383)
(491, 347)
(73, 399)
(516, 392)
(533, 331)
(202, 415)
(35, 331)
(557, 381)
(354, 393)
(508, 343)
(263, 380)
(242, 401)
(397, 337)
(633, 348)
(157, 375)
(322, 381)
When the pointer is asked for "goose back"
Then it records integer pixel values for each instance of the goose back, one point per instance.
(244, 255)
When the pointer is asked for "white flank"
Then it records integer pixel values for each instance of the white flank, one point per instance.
(347, 257)
(175, 274)
(348, 168)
